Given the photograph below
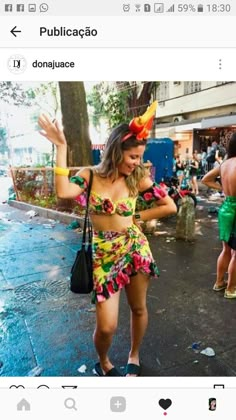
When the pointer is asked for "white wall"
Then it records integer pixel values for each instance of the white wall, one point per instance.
(210, 98)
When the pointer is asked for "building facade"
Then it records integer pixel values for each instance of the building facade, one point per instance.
(194, 114)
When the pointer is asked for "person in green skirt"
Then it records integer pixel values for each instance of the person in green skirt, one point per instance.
(226, 219)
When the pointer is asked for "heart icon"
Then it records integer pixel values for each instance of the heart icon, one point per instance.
(165, 403)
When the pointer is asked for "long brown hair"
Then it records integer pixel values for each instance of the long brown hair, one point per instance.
(113, 156)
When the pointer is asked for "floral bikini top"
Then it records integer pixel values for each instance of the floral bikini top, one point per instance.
(123, 206)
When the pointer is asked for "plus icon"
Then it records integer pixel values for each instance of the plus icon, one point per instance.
(118, 404)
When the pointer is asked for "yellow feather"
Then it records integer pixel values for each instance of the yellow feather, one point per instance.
(148, 114)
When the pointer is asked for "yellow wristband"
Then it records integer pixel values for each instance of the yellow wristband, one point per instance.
(61, 171)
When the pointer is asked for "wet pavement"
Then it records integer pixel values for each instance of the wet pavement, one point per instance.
(47, 330)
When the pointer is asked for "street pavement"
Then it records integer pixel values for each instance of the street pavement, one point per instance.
(46, 330)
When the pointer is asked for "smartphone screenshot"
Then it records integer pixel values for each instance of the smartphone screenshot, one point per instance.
(117, 209)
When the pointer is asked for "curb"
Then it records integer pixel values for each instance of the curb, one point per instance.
(47, 213)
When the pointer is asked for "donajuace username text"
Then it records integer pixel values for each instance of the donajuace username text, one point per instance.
(53, 64)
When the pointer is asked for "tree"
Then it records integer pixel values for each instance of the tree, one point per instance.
(120, 101)
(76, 123)
(139, 97)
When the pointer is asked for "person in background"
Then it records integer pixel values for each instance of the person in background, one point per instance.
(179, 164)
(226, 219)
(174, 166)
(218, 162)
(211, 155)
(203, 162)
(122, 258)
(193, 169)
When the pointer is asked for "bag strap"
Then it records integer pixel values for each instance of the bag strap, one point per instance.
(86, 218)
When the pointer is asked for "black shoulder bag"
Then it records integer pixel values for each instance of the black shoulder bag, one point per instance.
(81, 279)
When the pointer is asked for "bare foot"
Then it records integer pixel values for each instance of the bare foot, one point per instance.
(106, 366)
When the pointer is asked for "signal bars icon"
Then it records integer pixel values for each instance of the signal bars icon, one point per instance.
(171, 9)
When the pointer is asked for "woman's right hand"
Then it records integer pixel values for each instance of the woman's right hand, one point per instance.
(51, 130)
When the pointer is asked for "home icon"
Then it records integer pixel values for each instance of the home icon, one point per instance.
(23, 405)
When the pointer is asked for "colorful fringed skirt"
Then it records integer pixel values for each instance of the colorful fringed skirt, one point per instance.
(116, 257)
(227, 221)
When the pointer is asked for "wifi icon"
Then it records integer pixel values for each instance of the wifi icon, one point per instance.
(171, 9)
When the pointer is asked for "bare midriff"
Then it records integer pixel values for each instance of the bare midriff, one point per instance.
(108, 222)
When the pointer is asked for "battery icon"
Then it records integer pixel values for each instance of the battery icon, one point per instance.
(200, 8)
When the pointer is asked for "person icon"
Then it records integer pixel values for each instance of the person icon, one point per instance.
(212, 404)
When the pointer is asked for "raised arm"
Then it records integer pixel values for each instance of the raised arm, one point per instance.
(210, 179)
(54, 133)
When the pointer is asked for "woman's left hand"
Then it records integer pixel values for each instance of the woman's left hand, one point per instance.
(51, 130)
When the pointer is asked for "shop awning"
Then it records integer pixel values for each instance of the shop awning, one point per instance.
(218, 121)
(174, 130)
(188, 127)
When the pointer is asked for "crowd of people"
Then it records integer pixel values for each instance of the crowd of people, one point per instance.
(193, 168)
(188, 169)
(216, 168)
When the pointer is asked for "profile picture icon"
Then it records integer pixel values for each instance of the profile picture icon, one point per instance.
(212, 404)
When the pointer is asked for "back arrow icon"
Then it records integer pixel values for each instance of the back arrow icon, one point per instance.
(14, 31)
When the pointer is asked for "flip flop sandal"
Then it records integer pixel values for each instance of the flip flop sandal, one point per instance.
(112, 372)
(230, 295)
(132, 369)
(218, 289)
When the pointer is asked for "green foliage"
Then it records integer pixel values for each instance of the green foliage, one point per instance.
(46, 96)
(3, 140)
(49, 202)
(37, 188)
(34, 183)
(14, 94)
(108, 103)
(116, 108)
(47, 161)
(118, 102)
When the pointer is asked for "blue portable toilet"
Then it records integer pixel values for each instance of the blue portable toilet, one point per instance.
(160, 152)
(96, 153)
